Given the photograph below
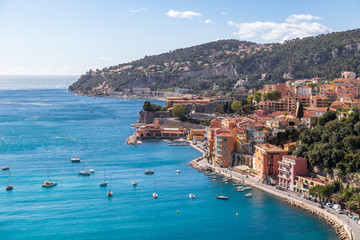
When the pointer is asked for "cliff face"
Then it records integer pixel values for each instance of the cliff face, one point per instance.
(226, 61)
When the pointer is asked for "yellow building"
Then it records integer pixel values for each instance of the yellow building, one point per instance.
(303, 184)
(240, 144)
(197, 135)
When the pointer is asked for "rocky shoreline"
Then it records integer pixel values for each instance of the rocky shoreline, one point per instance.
(343, 232)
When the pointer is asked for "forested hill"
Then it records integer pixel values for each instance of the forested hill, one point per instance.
(225, 61)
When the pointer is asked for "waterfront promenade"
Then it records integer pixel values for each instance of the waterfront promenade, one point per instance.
(351, 229)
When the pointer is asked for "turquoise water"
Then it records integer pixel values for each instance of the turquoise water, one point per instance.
(40, 128)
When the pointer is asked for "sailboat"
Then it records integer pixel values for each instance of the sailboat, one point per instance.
(48, 183)
(110, 193)
(221, 197)
(134, 183)
(155, 194)
(83, 172)
(104, 183)
(10, 186)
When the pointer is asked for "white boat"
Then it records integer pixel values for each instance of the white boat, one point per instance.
(104, 183)
(178, 171)
(10, 186)
(91, 170)
(247, 188)
(139, 142)
(221, 197)
(149, 171)
(110, 193)
(75, 159)
(134, 183)
(83, 172)
(191, 195)
(239, 189)
(248, 195)
(154, 194)
(48, 183)
(5, 168)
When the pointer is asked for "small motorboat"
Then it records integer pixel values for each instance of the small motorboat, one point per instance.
(104, 183)
(134, 183)
(149, 171)
(91, 111)
(222, 197)
(75, 159)
(9, 187)
(5, 168)
(49, 184)
(191, 195)
(178, 171)
(91, 170)
(248, 195)
(155, 195)
(247, 188)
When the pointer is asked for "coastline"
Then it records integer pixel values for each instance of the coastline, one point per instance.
(341, 228)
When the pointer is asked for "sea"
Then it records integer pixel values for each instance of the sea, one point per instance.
(42, 126)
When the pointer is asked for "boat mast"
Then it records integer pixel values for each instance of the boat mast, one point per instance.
(110, 184)
(105, 175)
(9, 178)
(48, 173)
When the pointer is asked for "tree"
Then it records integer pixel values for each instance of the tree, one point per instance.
(237, 107)
(300, 111)
(327, 117)
(147, 106)
(257, 96)
(178, 111)
(250, 99)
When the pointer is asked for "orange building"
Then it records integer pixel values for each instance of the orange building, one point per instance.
(266, 159)
(196, 134)
(224, 146)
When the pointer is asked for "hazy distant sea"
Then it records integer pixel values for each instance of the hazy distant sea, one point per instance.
(36, 82)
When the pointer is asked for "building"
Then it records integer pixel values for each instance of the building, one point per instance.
(325, 88)
(304, 91)
(196, 134)
(141, 90)
(154, 131)
(289, 168)
(290, 146)
(224, 146)
(302, 184)
(348, 75)
(266, 159)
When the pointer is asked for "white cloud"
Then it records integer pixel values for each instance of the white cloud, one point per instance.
(185, 14)
(299, 17)
(296, 26)
(41, 70)
(207, 21)
(224, 13)
(138, 10)
(105, 58)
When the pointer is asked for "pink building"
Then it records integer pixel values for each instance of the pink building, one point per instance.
(289, 167)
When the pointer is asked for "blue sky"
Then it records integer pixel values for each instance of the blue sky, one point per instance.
(70, 37)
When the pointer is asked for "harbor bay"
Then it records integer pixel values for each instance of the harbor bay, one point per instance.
(43, 129)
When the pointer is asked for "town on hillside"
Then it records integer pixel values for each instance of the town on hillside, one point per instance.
(301, 136)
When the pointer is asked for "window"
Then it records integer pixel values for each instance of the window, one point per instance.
(224, 155)
(224, 149)
(224, 143)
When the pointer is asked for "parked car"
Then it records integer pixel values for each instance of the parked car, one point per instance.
(336, 206)
(339, 211)
(329, 205)
(302, 195)
(321, 206)
(314, 200)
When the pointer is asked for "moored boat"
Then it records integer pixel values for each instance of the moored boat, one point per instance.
(91, 170)
(48, 183)
(75, 159)
(10, 186)
(83, 172)
(104, 183)
(191, 195)
(5, 168)
(222, 197)
(149, 171)
(110, 193)
(248, 195)
(178, 171)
